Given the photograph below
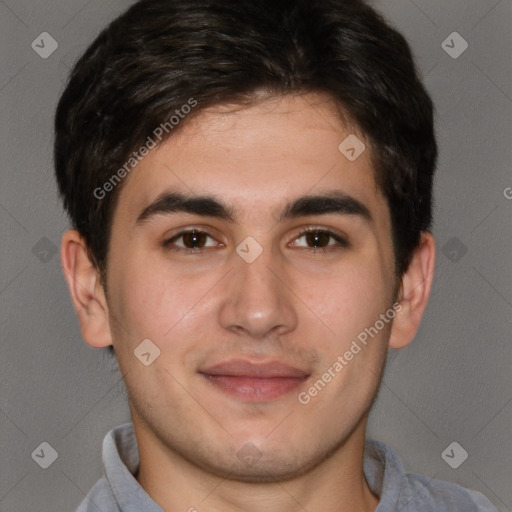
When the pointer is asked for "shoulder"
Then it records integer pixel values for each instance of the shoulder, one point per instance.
(410, 492)
(100, 497)
(419, 492)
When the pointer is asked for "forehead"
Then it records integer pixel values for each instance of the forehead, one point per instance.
(258, 156)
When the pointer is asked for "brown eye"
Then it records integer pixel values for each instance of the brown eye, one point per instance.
(319, 239)
(190, 240)
(194, 239)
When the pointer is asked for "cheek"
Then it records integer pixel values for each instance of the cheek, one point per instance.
(151, 297)
(349, 302)
(140, 297)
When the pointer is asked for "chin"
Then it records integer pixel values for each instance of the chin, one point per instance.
(277, 470)
(270, 465)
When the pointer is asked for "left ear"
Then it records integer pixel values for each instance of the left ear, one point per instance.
(414, 293)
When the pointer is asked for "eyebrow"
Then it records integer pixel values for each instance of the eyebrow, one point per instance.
(332, 202)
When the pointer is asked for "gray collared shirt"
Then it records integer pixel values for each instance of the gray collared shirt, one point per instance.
(119, 491)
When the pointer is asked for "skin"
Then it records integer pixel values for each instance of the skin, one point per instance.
(293, 303)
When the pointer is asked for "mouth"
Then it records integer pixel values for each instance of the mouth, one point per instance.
(254, 381)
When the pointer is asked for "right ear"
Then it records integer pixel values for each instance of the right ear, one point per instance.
(86, 290)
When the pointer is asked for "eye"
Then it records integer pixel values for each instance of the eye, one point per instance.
(190, 240)
(315, 238)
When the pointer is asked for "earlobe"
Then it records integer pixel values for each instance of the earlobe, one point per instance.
(414, 293)
(87, 293)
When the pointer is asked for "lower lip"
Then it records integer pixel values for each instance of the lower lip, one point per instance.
(251, 389)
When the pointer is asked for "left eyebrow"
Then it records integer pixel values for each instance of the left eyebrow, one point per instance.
(336, 202)
(332, 202)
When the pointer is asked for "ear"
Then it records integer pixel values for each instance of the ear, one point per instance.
(87, 292)
(414, 293)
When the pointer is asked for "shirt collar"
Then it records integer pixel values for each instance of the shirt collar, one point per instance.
(121, 461)
(382, 468)
(384, 473)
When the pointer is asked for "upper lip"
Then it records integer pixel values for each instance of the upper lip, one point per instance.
(255, 369)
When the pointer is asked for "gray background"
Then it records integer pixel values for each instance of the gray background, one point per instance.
(452, 384)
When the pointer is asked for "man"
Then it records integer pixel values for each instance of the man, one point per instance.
(250, 187)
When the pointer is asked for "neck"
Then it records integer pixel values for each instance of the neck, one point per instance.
(337, 484)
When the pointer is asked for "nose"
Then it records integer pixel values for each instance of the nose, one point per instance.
(258, 301)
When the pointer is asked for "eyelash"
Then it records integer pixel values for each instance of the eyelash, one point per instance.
(341, 242)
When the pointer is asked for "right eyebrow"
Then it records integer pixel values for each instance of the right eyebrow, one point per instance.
(173, 202)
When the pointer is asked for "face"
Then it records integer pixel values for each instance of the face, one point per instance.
(257, 293)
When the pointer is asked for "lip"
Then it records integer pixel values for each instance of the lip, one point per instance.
(254, 381)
